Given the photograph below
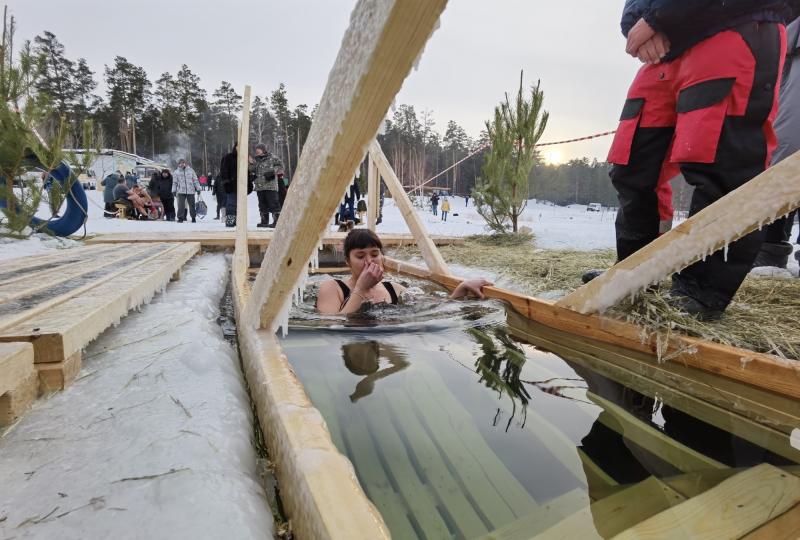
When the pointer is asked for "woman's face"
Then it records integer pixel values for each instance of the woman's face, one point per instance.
(359, 258)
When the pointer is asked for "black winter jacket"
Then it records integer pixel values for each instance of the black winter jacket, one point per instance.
(687, 23)
(160, 186)
(228, 169)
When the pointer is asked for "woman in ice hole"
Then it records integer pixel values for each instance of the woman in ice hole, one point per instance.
(363, 253)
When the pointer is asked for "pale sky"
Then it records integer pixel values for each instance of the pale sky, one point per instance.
(574, 46)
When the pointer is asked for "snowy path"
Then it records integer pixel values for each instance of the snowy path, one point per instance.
(152, 441)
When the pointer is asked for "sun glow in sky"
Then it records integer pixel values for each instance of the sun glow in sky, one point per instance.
(553, 156)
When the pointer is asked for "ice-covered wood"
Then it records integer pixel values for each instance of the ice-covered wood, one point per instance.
(384, 39)
(430, 253)
(16, 363)
(319, 488)
(730, 510)
(760, 201)
(241, 259)
(373, 193)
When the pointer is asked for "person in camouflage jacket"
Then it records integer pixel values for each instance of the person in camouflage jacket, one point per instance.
(264, 170)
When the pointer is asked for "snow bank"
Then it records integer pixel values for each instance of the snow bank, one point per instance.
(152, 441)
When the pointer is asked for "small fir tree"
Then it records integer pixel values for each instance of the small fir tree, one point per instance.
(502, 193)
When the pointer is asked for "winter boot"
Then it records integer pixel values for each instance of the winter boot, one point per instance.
(589, 275)
(194, 220)
(230, 220)
(692, 306)
(274, 220)
(264, 220)
(773, 254)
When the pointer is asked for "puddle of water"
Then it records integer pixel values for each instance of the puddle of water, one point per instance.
(456, 428)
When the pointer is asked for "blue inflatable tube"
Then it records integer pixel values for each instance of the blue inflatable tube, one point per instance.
(73, 217)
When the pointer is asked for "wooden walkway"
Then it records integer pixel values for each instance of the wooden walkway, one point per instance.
(261, 238)
(61, 301)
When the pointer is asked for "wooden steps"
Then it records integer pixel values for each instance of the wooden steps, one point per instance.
(18, 381)
(260, 238)
(60, 313)
(735, 507)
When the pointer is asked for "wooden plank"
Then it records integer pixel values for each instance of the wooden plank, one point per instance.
(647, 378)
(760, 201)
(241, 257)
(610, 516)
(36, 268)
(764, 371)
(542, 518)
(373, 193)
(16, 363)
(55, 376)
(469, 453)
(62, 275)
(130, 264)
(260, 238)
(784, 527)
(734, 508)
(463, 516)
(430, 253)
(16, 402)
(383, 41)
(375, 481)
(595, 475)
(68, 327)
(418, 498)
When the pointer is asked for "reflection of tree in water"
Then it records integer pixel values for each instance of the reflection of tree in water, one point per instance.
(500, 366)
(363, 358)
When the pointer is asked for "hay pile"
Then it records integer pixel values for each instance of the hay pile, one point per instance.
(764, 317)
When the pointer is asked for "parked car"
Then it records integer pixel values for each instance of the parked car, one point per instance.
(594, 207)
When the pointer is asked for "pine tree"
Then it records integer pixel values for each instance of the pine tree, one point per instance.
(502, 193)
(227, 101)
(279, 104)
(128, 90)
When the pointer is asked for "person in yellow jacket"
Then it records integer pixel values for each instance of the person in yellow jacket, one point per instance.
(445, 208)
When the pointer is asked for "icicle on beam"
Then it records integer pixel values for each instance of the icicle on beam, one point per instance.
(764, 199)
(381, 44)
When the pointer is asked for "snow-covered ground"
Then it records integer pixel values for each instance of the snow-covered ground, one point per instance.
(153, 440)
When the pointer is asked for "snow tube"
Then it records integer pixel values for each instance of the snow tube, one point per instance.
(73, 217)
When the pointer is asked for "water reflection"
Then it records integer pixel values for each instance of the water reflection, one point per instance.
(363, 358)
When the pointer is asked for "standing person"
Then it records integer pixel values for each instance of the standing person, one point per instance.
(705, 101)
(466, 201)
(203, 182)
(227, 173)
(109, 183)
(777, 246)
(264, 170)
(130, 180)
(362, 209)
(218, 191)
(185, 185)
(445, 208)
(161, 186)
(434, 202)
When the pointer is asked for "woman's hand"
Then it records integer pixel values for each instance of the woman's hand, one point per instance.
(371, 275)
(471, 287)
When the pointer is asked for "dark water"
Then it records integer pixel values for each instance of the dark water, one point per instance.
(457, 428)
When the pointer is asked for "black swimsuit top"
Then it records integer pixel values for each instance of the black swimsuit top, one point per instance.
(346, 290)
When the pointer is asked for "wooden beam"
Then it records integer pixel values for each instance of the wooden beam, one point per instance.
(763, 371)
(16, 363)
(373, 193)
(430, 253)
(771, 194)
(383, 41)
(784, 527)
(241, 258)
(734, 508)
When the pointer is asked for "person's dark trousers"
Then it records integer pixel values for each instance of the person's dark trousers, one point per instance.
(169, 208)
(183, 199)
(780, 230)
(434, 210)
(718, 131)
(111, 210)
(268, 203)
(444, 215)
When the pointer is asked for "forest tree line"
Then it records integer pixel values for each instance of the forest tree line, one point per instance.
(172, 116)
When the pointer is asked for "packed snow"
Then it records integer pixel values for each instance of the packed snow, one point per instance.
(153, 440)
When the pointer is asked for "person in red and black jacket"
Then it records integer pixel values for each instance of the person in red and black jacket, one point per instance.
(704, 104)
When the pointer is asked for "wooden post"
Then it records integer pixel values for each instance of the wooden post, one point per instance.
(383, 41)
(430, 252)
(771, 194)
(373, 193)
(241, 259)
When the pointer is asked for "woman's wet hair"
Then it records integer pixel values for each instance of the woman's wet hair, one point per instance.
(361, 239)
